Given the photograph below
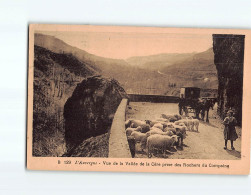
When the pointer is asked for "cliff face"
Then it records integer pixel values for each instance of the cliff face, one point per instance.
(228, 58)
(55, 78)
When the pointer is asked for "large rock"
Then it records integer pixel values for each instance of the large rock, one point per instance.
(228, 58)
(90, 109)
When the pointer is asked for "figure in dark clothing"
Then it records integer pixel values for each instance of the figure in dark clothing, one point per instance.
(229, 130)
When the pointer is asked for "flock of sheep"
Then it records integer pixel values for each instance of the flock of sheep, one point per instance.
(160, 134)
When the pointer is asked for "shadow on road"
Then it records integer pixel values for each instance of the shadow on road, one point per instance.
(208, 124)
(184, 145)
(193, 131)
(234, 153)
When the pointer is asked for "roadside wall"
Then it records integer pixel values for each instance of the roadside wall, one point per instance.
(153, 98)
(118, 144)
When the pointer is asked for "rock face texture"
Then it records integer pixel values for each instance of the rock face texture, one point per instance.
(90, 109)
(229, 58)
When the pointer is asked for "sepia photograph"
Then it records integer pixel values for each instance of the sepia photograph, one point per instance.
(136, 93)
(125, 97)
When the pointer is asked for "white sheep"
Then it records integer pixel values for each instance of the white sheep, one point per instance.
(190, 124)
(170, 129)
(151, 122)
(158, 125)
(196, 124)
(130, 130)
(170, 125)
(162, 142)
(145, 128)
(170, 117)
(166, 116)
(181, 129)
(138, 136)
(182, 124)
(182, 121)
(135, 123)
(169, 133)
(154, 131)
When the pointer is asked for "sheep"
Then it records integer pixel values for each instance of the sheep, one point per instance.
(169, 133)
(196, 124)
(177, 116)
(151, 123)
(170, 125)
(158, 125)
(138, 136)
(183, 121)
(127, 124)
(130, 130)
(182, 129)
(162, 142)
(145, 128)
(182, 124)
(169, 129)
(154, 131)
(171, 118)
(137, 123)
(190, 124)
(162, 119)
(166, 116)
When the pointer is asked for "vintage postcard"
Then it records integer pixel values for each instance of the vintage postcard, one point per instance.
(138, 99)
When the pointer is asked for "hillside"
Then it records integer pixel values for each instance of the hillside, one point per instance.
(97, 63)
(197, 70)
(132, 79)
(157, 62)
(156, 74)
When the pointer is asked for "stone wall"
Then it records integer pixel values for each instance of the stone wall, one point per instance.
(118, 143)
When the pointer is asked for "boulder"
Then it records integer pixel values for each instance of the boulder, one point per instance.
(89, 111)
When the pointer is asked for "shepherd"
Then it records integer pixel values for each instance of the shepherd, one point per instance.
(229, 130)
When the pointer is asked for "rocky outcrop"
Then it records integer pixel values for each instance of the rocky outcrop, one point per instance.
(228, 58)
(91, 147)
(90, 109)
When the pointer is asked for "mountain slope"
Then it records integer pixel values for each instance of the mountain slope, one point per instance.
(58, 46)
(157, 62)
(197, 70)
(132, 79)
(156, 74)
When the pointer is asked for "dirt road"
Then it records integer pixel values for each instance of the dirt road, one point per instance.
(208, 143)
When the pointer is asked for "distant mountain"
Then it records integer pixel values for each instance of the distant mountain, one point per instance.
(132, 79)
(199, 61)
(155, 74)
(197, 70)
(157, 62)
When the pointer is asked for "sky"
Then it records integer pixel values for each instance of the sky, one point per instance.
(122, 45)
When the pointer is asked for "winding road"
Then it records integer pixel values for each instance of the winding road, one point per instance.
(208, 143)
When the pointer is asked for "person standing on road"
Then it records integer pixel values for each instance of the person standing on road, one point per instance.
(229, 130)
